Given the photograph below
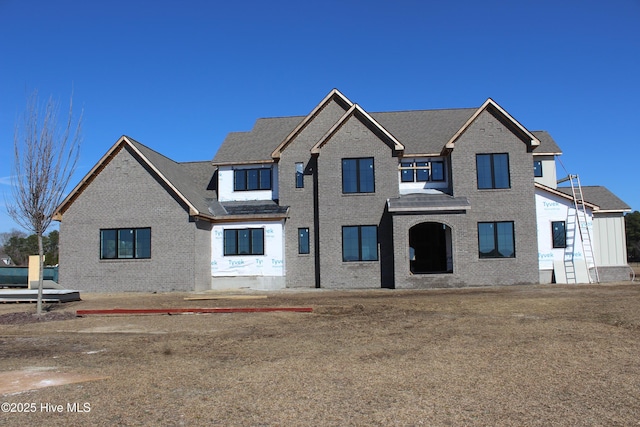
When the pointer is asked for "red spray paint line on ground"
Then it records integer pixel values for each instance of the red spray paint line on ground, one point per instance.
(134, 311)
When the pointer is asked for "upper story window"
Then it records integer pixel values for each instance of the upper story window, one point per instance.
(125, 243)
(493, 171)
(299, 175)
(421, 171)
(358, 175)
(244, 241)
(252, 179)
(537, 168)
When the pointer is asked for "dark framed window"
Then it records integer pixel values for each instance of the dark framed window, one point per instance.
(437, 171)
(360, 243)
(125, 243)
(537, 168)
(243, 241)
(303, 241)
(406, 172)
(421, 171)
(358, 175)
(299, 175)
(493, 171)
(496, 240)
(252, 179)
(559, 234)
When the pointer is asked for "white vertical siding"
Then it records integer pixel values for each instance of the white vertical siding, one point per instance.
(610, 247)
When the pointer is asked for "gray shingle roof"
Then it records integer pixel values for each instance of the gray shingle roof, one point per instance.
(257, 145)
(420, 131)
(196, 182)
(427, 202)
(599, 196)
(190, 179)
(424, 131)
(254, 207)
(547, 143)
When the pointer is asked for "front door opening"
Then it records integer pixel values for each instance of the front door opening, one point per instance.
(430, 248)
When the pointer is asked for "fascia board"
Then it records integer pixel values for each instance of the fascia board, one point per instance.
(251, 162)
(334, 93)
(355, 109)
(543, 187)
(533, 141)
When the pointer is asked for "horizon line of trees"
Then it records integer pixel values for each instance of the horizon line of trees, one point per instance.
(632, 230)
(18, 246)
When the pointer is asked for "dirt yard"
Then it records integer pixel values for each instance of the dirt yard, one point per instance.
(511, 356)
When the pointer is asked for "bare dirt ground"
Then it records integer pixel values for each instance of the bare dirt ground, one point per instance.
(509, 356)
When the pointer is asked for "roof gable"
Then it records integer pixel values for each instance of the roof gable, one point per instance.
(173, 175)
(494, 109)
(364, 117)
(335, 95)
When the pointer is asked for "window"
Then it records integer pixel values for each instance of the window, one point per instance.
(299, 175)
(125, 243)
(303, 240)
(360, 243)
(358, 176)
(252, 179)
(245, 241)
(421, 171)
(496, 240)
(537, 168)
(493, 171)
(559, 234)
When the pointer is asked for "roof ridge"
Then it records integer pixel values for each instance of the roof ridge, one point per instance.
(423, 110)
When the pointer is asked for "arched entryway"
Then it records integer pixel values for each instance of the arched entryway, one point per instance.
(430, 248)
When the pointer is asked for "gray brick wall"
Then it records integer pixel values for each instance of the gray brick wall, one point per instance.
(486, 135)
(125, 195)
(300, 269)
(354, 140)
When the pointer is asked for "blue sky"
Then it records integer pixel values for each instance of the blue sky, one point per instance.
(179, 75)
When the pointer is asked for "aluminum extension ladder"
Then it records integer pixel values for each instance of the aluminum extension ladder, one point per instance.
(577, 222)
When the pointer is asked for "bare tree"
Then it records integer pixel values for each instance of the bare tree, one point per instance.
(46, 152)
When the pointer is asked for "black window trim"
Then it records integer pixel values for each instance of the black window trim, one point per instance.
(308, 247)
(495, 239)
(236, 230)
(493, 172)
(553, 236)
(358, 183)
(359, 227)
(135, 240)
(245, 171)
(299, 175)
(540, 175)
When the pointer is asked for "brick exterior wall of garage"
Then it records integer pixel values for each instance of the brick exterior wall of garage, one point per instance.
(126, 195)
